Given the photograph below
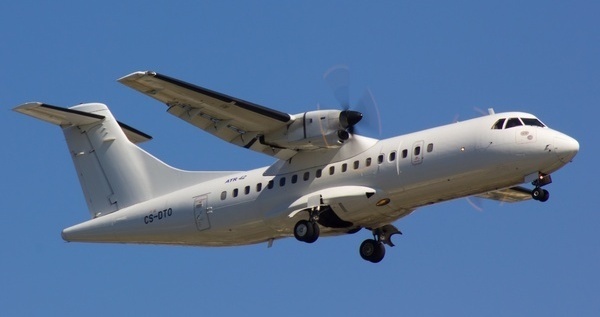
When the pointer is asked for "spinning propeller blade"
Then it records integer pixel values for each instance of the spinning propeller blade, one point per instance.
(338, 79)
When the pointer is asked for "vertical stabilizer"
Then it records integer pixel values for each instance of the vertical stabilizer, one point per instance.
(114, 173)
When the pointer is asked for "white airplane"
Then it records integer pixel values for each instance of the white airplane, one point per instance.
(327, 180)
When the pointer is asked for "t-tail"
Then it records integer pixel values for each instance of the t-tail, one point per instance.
(113, 171)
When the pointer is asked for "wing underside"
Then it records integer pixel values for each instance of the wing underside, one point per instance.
(234, 120)
(509, 195)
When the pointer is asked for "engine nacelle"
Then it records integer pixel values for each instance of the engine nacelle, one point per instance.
(317, 129)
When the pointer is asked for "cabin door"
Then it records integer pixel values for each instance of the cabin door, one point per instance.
(200, 214)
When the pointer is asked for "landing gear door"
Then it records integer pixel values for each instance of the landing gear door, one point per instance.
(200, 214)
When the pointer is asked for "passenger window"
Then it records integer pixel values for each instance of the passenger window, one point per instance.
(368, 162)
(247, 190)
(513, 122)
(294, 179)
(404, 153)
(380, 159)
(306, 176)
(331, 170)
(499, 124)
(392, 156)
(270, 184)
(429, 147)
(344, 167)
(258, 187)
(235, 192)
(417, 150)
(282, 181)
(318, 173)
(223, 195)
(356, 164)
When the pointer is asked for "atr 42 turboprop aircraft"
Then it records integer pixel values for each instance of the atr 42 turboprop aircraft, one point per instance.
(327, 179)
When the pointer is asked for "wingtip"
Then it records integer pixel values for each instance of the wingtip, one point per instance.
(23, 108)
(136, 75)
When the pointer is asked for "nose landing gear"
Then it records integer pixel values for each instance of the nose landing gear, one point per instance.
(538, 193)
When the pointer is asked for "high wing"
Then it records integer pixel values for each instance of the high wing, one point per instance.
(234, 120)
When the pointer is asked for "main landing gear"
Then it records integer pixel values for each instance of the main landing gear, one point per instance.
(373, 250)
(308, 230)
(538, 193)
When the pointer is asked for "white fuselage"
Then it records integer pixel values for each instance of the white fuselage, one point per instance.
(411, 170)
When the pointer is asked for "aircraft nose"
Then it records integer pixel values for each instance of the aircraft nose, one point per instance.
(565, 147)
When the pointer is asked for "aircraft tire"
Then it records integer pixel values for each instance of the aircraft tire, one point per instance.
(304, 231)
(546, 196)
(540, 194)
(315, 233)
(372, 251)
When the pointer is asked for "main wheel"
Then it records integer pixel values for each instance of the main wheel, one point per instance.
(303, 230)
(306, 231)
(315, 233)
(372, 251)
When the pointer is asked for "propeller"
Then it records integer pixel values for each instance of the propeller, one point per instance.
(338, 79)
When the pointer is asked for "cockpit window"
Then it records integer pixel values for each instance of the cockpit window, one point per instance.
(532, 122)
(516, 122)
(499, 124)
(513, 122)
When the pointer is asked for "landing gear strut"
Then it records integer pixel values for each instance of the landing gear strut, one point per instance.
(373, 250)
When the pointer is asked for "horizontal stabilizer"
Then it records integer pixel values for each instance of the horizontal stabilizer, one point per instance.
(509, 195)
(66, 117)
(134, 135)
(57, 115)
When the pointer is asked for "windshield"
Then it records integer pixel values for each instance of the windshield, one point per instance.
(516, 122)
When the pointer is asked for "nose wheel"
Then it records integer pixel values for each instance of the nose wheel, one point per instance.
(538, 193)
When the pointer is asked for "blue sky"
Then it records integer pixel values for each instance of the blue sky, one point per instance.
(426, 62)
